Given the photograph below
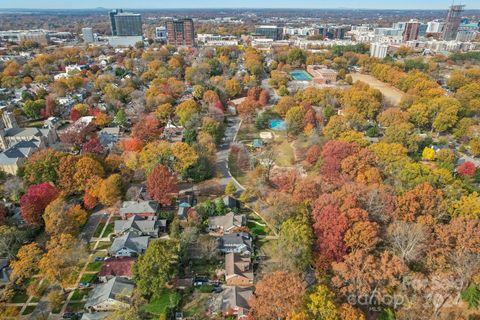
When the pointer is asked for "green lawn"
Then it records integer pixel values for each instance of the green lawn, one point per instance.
(95, 266)
(196, 304)
(104, 245)
(285, 156)
(35, 299)
(20, 297)
(161, 305)
(256, 229)
(98, 231)
(108, 230)
(88, 277)
(204, 267)
(247, 132)
(78, 294)
(28, 310)
(75, 306)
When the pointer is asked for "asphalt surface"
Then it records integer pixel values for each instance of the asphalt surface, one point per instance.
(233, 125)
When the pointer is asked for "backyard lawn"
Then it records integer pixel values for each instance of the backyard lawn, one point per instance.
(28, 310)
(20, 297)
(75, 306)
(285, 156)
(95, 266)
(196, 304)
(98, 231)
(88, 277)
(257, 228)
(161, 305)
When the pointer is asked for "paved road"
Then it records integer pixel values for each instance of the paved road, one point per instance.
(92, 223)
(233, 125)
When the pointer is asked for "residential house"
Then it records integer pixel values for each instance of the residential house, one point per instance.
(115, 294)
(231, 202)
(235, 302)
(15, 156)
(144, 209)
(140, 226)
(226, 223)
(238, 270)
(128, 245)
(109, 136)
(116, 267)
(237, 243)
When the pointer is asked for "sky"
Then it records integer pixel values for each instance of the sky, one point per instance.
(171, 4)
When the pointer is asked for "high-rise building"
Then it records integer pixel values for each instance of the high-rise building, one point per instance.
(180, 32)
(161, 33)
(270, 32)
(435, 26)
(88, 36)
(378, 50)
(126, 23)
(454, 18)
(411, 30)
(112, 15)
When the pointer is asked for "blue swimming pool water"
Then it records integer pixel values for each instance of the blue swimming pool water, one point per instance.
(300, 75)
(277, 124)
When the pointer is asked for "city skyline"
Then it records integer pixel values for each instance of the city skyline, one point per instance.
(180, 4)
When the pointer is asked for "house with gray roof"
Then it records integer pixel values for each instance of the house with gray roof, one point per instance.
(115, 294)
(236, 243)
(226, 223)
(129, 245)
(144, 209)
(140, 226)
(235, 302)
(15, 156)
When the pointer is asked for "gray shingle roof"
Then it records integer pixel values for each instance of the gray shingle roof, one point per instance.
(116, 288)
(227, 222)
(138, 207)
(130, 241)
(139, 225)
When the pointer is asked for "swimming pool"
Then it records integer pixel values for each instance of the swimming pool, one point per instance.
(277, 124)
(300, 75)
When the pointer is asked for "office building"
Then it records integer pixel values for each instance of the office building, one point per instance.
(435, 26)
(161, 33)
(270, 32)
(88, 36)
(378, 50)
(340, 31)
(452, 23)
(125, 23)
(180, 32)
(422, 31)
(411, 30)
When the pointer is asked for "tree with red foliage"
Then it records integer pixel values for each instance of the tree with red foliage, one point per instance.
(286, 181)
(333, 152)
(466, 169)
(147, 129)
(35, 200)
(75, 115)
(76, 134)
(89, 201)
(313, 154)
(219, 106)
(162, 184)
(131, 144)
(93, 146)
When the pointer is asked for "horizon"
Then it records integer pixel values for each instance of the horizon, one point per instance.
(245, 4)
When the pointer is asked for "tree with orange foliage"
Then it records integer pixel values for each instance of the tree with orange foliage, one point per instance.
(210, 97)
(162, 185)
(264, 97)
(277, 295)
(147, 129)
(131, 144)
(422, 201)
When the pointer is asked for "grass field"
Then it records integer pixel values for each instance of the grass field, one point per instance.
(160, 305)
(392, 95)
(285, 156)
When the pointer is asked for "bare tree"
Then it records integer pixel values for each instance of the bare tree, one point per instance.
(407, 239)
